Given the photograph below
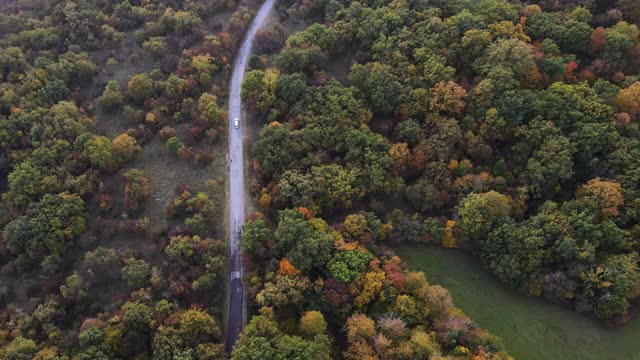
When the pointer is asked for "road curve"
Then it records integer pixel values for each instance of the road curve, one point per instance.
(236, 178)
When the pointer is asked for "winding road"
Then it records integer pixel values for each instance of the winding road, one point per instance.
(236, 179)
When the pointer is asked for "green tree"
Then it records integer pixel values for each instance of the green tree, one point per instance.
(19, 349)
(257, 238)
(345, 266)
(262, 339)
(552, 162)
(103, 263)
(136, 272)
(91, 337)
(209, 110)
(259, 89)
(611, 285)
(569, 105)
(254, 348)
(73, 67)
(317, 34)
(197, 326)
(407, 308)
(305, 59)
(575, 37)
(167, 343)
(323, 189)
(54, 91)
(295, 347)
(277, 149)
(548, 156)
(286, 290)
(304, 245)
(74, 288)
(156, 46)
(25, 181)
(493, 11)
(291, 88)
(111, 97)
(174, 144)
(46, 227)
(211, 351)
(514, 254)
(136, 189)
(513, 54)
(479, 212)
(98, 151)
(137, 316)
(185, 22)
(331, 106)
(620, 38)
(408, 131)
(541, 25)
(378, 84)
(367, 153)
(140, 87)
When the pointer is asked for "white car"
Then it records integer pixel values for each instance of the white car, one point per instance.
(236, 123)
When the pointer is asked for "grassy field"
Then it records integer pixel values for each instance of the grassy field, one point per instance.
(531, 328)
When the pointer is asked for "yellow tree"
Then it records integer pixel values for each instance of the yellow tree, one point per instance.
(312, 323)
(479, 212)
(448, 97)
(628, 100)
(448, 238)
(197, 325)
(605, 195)
(360, 327)
(355, 224)
(371, 284)
(124, 147)
(400, 154)
(209, 110)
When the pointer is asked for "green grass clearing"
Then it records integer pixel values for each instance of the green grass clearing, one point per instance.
(531, 328)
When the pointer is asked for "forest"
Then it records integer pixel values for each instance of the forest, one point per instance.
(506, 129)
(104, 252)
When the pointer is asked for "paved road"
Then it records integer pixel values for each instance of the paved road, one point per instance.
(236, 178)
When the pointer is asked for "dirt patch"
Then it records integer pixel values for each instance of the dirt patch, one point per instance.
(112, 124)
(252, 134)
(122, 72)
(290, 25)
(216, 21)
(383, 125)
(166, 171)
(339, 66)
(4, 182)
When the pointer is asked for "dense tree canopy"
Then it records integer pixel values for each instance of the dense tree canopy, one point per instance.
(506, 129)
(296, 304)
(87, 91)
